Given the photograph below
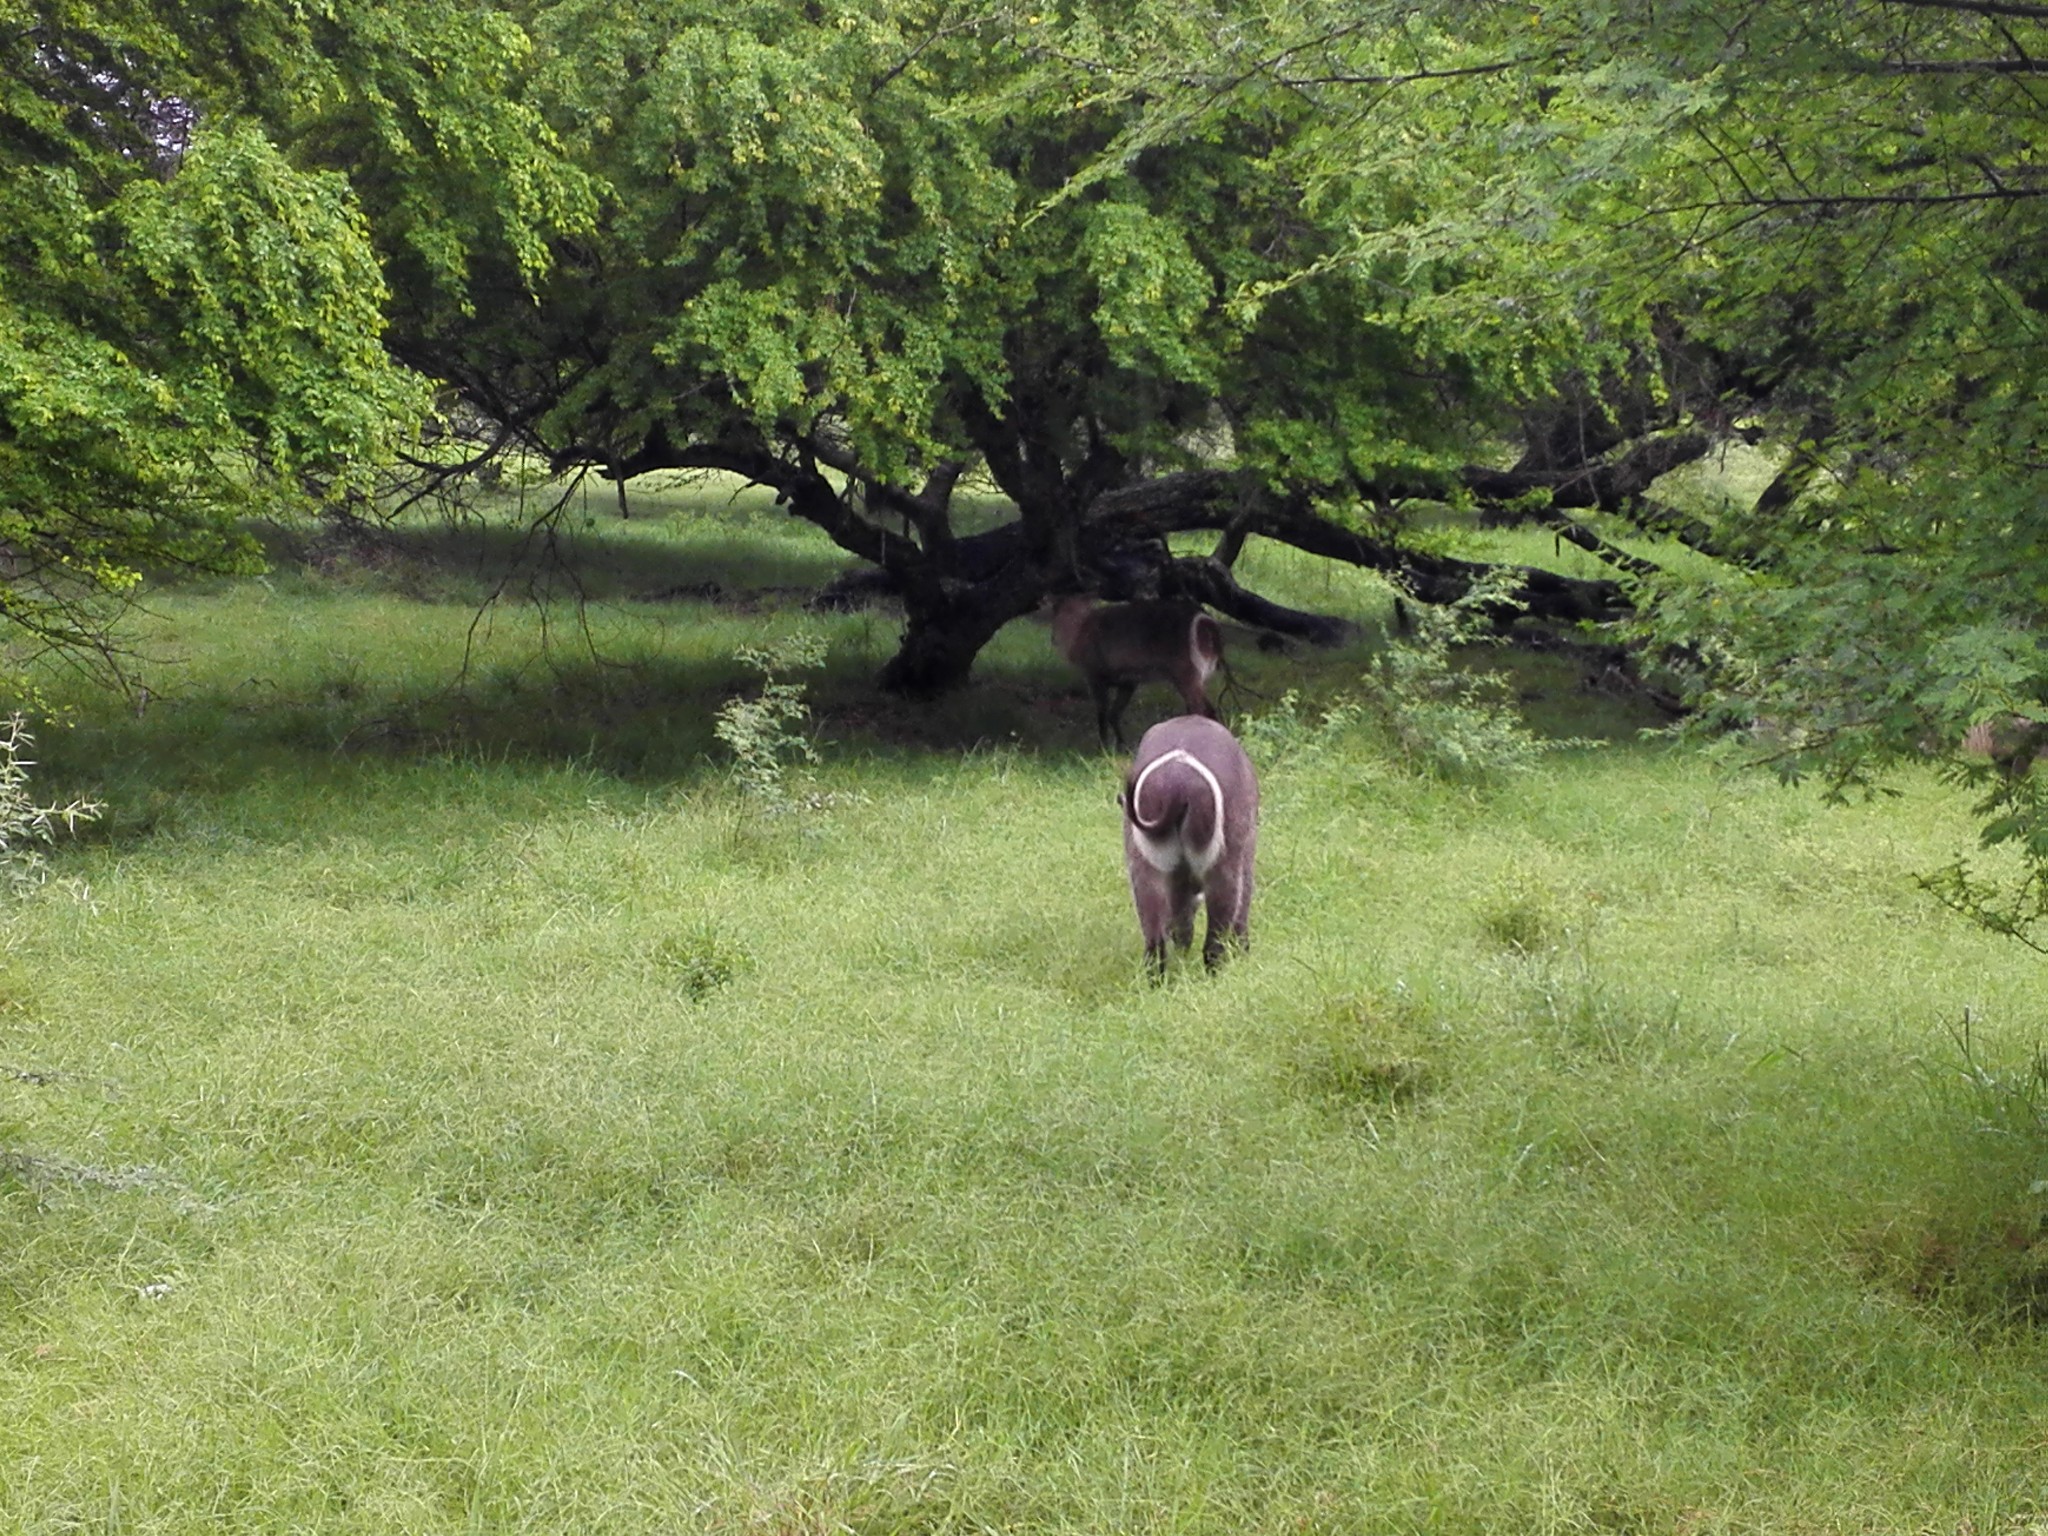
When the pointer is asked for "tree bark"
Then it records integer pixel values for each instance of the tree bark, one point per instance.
(944, 633)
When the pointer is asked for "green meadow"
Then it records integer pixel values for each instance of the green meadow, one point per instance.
(435, 1097)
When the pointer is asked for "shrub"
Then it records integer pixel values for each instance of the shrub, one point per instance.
(1441, 718)
(1285, 734)
(765, 732)
(26, 827)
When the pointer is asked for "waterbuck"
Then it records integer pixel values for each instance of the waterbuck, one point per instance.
(1191, 821)
(2014, 743)
(1119, 645)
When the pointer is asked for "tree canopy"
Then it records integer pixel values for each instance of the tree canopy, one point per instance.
(852, 253)
(191, 306)
(1297, 272)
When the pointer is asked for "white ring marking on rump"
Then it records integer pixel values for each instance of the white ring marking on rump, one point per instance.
(1165, 853)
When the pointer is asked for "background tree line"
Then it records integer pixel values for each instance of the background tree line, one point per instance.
(1307, 273)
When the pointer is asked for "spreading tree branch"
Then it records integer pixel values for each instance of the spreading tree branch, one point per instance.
(1977, 7)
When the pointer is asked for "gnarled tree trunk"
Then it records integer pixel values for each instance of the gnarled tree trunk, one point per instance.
(946, 624)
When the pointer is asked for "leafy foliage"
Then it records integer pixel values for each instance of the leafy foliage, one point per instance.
(1852, 201)
(765, 732)
(1813, 228)
(1445, 718)
(1287, 734)
(855, 252)
(191, 308)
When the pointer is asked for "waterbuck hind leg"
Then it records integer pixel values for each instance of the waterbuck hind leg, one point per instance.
(1230, 901)
(1220, 941)
(1110, 718)
(1154, 901)
(1183, 929)
(1155, 961)
(1217, 946)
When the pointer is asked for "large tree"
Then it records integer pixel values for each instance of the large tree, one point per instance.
(853, 251)
(1818, 227)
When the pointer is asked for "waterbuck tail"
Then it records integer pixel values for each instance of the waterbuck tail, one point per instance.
(1175, 795)
(1154, 814)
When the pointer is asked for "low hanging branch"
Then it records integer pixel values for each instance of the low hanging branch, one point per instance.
(1209, 581)
(1610, 485)
(1655, 517)
(959, 590)
(1215, 499)
(1574, 532)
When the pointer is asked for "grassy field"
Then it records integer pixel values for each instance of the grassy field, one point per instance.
(435, 1099)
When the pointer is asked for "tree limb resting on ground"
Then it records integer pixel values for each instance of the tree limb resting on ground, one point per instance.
(1213, 499)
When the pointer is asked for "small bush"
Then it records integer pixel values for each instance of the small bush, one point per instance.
(765, 732)
(1445, 720)
(1286, 734)
(26, 827)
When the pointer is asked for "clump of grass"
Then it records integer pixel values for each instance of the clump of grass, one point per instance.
(908, 1497)
(1358, 1052)
(1981, 1252)
(1523, 914)
(1981, 1266)
(1349, 1071)
(698, 960)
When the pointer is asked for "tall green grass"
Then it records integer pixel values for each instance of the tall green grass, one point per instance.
(437, 1099)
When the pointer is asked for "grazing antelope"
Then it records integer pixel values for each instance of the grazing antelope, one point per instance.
(1119, 645)
(2014, 743)
(1191, 821)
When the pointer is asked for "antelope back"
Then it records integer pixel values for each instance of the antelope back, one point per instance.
(1136, 641)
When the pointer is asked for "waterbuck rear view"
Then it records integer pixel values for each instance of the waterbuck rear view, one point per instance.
(1191, 821)
(1119, 645)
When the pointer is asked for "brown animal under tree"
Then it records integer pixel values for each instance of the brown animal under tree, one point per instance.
(1118, 646)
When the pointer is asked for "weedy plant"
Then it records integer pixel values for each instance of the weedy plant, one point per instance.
(1287, 733)
(1441, 718)
(766, 733)
(26, 827)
